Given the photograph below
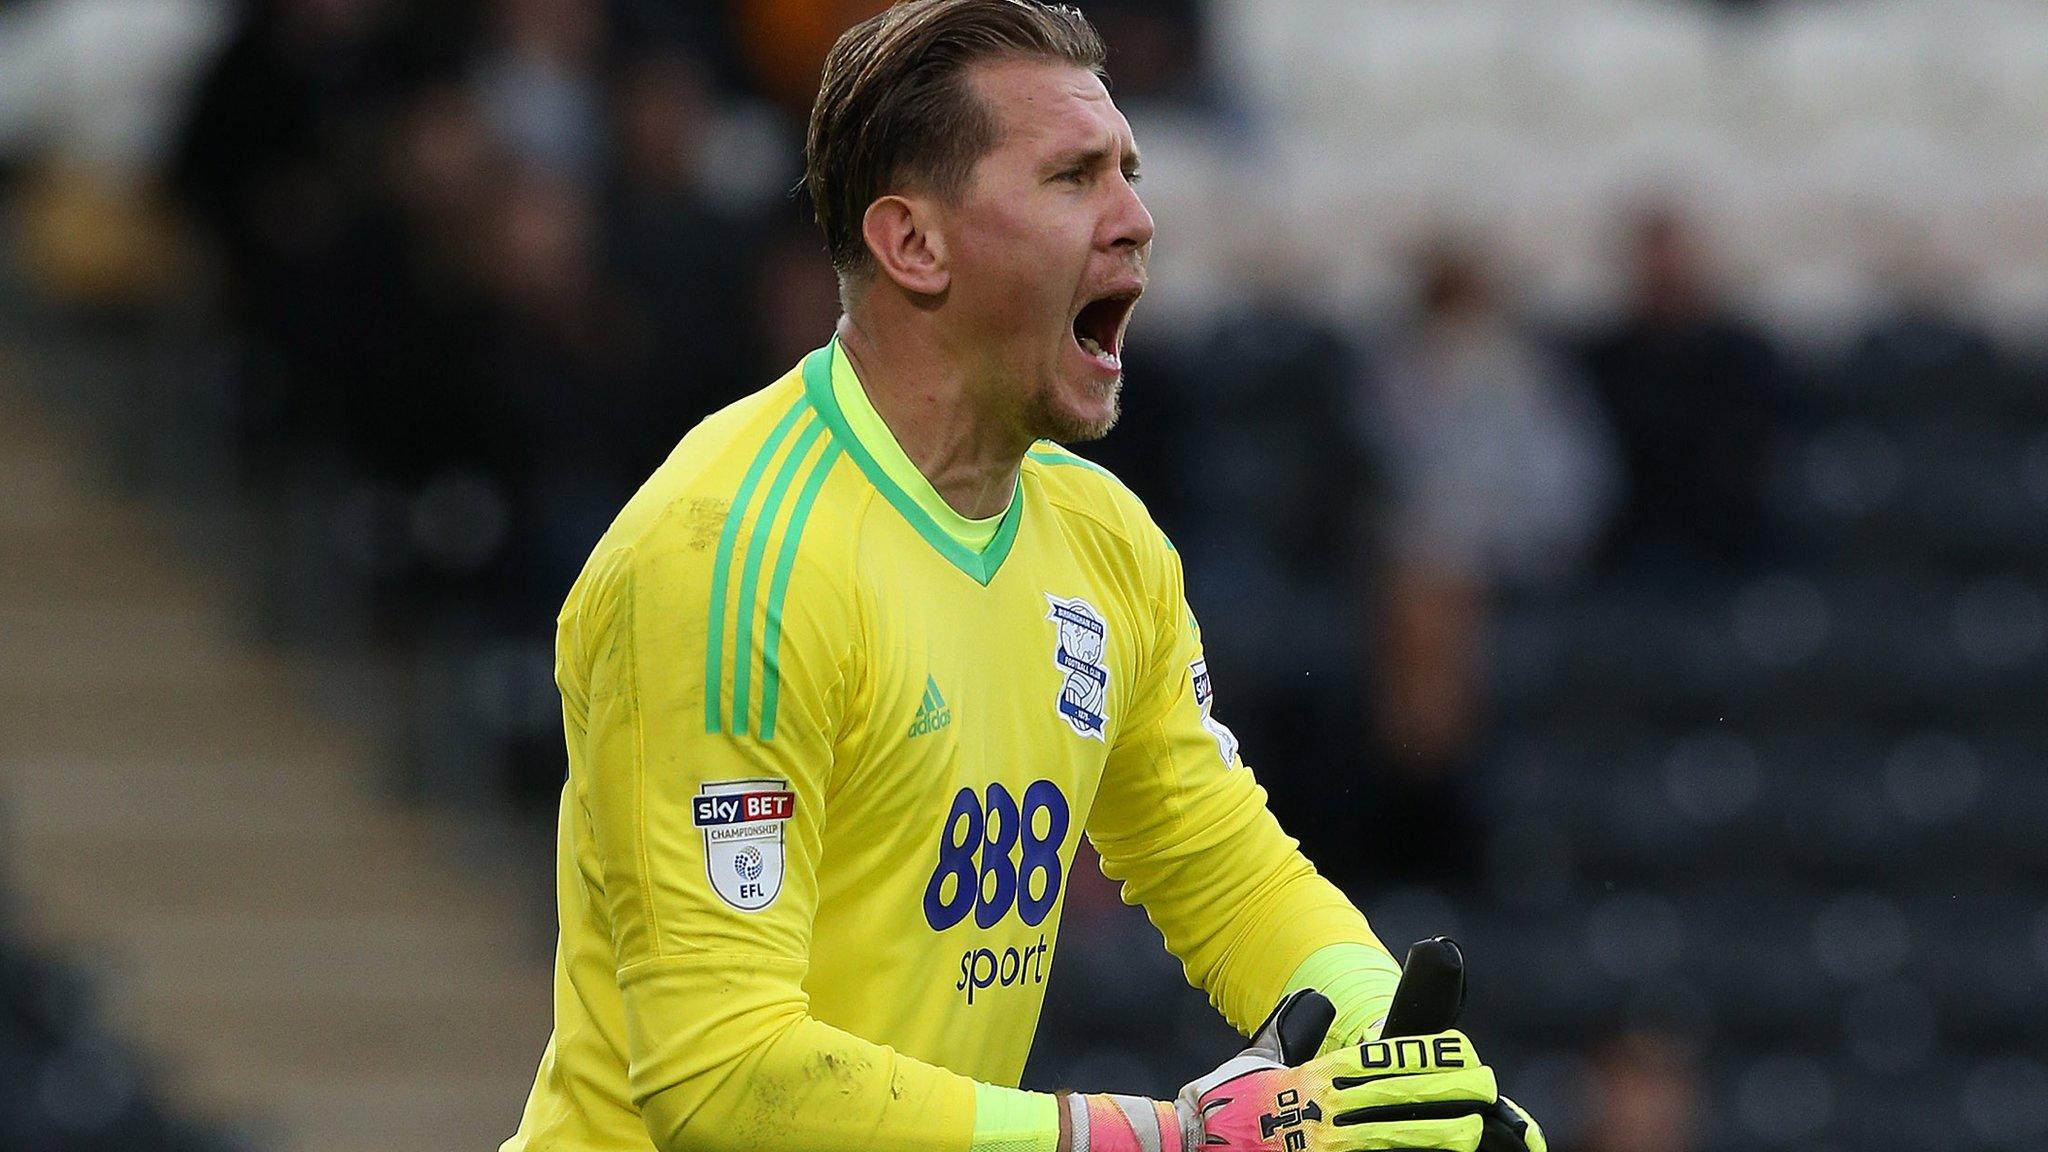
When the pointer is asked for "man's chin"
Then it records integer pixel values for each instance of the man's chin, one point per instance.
(1080, 423)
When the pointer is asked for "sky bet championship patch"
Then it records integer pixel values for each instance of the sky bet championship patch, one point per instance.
(1205, 699)
(742, 822)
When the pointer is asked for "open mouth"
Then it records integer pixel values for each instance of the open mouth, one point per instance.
(1099, 326)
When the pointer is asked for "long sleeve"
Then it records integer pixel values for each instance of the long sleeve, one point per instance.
(1184, 825)
(704, 823)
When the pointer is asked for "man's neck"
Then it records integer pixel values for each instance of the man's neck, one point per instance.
(942, 422)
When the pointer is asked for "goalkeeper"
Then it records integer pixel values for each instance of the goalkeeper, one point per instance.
(848, 679)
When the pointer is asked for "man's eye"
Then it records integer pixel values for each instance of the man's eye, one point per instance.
(1132, 177)
(1075, 175)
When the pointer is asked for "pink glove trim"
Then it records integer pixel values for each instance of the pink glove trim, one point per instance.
(1123, 1124)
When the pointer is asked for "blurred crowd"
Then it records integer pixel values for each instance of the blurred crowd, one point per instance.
(481, 265)
(67, 1082)
(491, 260)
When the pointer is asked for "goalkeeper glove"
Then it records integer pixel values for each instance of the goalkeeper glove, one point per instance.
(1510, 1129)
(1428, 1092)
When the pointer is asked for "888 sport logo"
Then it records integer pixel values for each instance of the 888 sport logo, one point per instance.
(997, 853)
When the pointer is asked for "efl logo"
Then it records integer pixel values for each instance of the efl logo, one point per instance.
(741, 821)
(743, 808)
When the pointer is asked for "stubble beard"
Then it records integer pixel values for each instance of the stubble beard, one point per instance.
(1050, 421)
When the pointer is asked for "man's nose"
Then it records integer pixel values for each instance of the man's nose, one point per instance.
(1132, 225)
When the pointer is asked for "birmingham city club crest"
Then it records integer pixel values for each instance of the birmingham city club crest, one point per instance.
(742, 822)
(1084, 696)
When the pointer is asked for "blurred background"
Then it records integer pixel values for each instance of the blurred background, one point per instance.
(1608, 440)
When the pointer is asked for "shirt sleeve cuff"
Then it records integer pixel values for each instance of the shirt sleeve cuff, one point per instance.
(1359, 979)
(1010, 1120)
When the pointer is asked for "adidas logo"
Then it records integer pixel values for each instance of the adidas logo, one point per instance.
(932, 713)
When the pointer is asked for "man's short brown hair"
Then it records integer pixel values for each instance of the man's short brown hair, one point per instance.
(895, 108)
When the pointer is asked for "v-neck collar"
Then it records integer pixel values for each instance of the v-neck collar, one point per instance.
(980, 564)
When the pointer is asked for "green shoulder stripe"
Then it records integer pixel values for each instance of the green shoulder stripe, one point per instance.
(714, 647)
(1050, 454)
(778, 586)
(757, 551)
(1057, 458)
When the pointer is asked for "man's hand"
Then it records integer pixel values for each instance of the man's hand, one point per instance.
(1416, 1092)
(1426, 1092)
(1430, 997)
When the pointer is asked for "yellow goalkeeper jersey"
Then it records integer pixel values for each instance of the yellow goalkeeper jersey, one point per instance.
(832, 749)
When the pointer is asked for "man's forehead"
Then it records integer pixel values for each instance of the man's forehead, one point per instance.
(1052, 107)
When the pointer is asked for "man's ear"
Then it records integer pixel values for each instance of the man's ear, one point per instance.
(899, 232)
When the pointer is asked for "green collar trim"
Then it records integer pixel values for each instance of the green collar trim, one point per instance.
(981, 565)
(869, 428)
